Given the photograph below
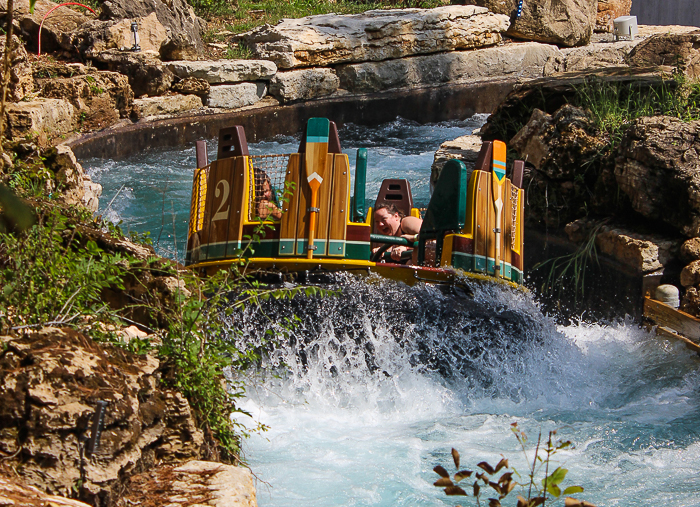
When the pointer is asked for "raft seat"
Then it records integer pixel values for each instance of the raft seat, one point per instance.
(446, 210)
(396, 191)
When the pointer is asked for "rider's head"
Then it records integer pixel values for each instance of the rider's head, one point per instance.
(387, 219)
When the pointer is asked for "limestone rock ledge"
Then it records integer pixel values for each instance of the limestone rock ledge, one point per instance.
(657, 169)
(330, 39)
(224, 71)
(236, 95)
(304, 84)
(464, 148)
(50, 383)
(13, 493)
(168, 105)
(512, 60)
(194, 483)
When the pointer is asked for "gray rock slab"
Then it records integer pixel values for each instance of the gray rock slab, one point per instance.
(524, 60)
(331, 39)
(49, 116)
(464, 148)
(562, 22)
(644, 252)
(304, 84)
(236, 95)
(177, 16)
(593, 56)
(166, 105)
(224, 71)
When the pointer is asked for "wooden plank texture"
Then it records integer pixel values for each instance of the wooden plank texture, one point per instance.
(677, 320)
(217, 212)
(288, 223)
(482, 204)
(507, 227)
(304, 201)
(339, 206)
(239, 194)
(315, 160)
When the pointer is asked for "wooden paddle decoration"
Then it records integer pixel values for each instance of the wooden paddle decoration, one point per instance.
(498, 180)
(315, 164)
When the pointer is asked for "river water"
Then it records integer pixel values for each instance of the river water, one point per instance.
(375, 385)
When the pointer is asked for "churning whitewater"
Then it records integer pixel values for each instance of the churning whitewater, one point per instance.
(375, 384)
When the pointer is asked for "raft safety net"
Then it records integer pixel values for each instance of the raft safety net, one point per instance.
(273, 170)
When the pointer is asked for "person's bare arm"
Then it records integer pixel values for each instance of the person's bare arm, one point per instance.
(267, 208)
(411, 225)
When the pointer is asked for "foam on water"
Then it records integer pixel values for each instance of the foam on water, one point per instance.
(382, 380)
(343, 433)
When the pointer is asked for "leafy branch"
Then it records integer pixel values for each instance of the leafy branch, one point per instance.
(537, 492)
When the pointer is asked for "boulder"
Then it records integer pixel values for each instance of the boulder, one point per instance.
(46, 118)
(562, 22)
(565, 174)
(679, 50)
(147, 74)
(183, 26)
(464, 148)
(52, 381)
(657, 168)
(329, 39)
(593, 56)
(97, 36)
(303, 84)
(76, 187)
(196, 483)
(608, 10)
(690, 250)
(512, 60)
(225, 71)
(165, 105)
(236, 95)
(21, 75)
(192, 86)
(13, 491)
(690, 302)
(642, 252)
(691, 274)
(100, 98)
(559, 144)
(55, 33)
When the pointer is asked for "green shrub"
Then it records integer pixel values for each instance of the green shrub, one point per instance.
(47, 279)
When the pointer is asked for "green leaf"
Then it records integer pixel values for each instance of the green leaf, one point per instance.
(573, 490)
(554, 490)
(555, 477)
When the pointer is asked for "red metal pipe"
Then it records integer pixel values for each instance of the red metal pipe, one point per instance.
(53, 9)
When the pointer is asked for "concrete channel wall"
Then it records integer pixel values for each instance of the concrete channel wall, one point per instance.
(667, 12)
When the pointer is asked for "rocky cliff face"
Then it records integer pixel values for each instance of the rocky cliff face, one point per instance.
(52, 381)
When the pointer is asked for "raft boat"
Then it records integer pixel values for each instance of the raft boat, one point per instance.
(473, 225)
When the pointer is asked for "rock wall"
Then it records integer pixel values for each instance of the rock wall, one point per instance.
(563, 22)
(51, 381)
(657, 168)
(374, 35)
